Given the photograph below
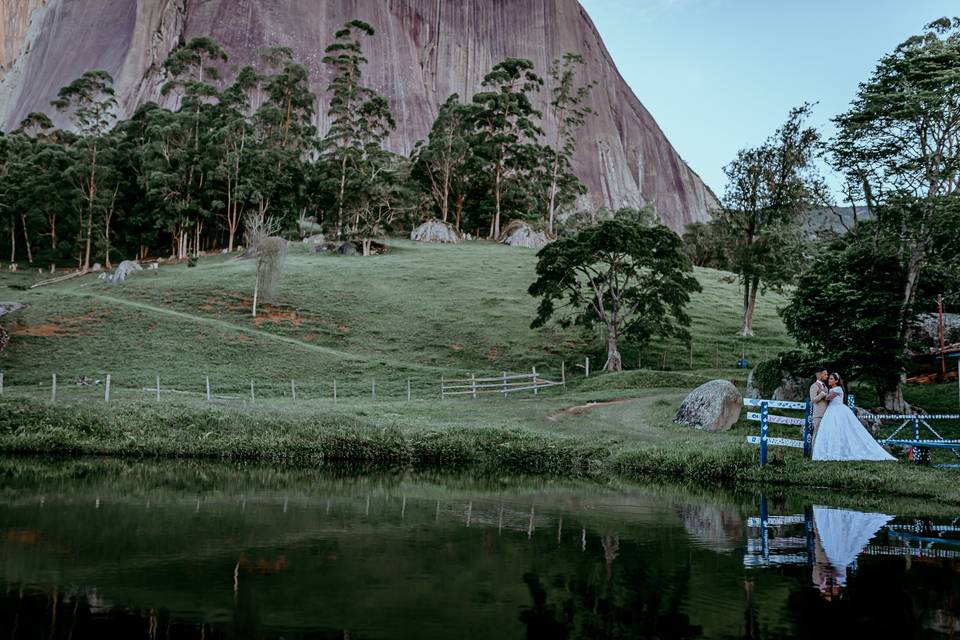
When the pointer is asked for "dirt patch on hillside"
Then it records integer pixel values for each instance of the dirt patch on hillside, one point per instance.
(277, 316)
(63, 326)
(586, 408)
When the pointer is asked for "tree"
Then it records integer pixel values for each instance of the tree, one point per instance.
(632, 279)
(703, 242)
(269, 251)
(845, 309)
(91, 101)
(506, 126)
(193, 73)
(569, 111)
(343, 145)
(769, 188)
(900, 144)
(440, 162)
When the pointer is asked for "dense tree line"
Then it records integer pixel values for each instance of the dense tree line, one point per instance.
(181, 180)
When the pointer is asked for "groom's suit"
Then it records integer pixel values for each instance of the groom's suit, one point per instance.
(818, 404)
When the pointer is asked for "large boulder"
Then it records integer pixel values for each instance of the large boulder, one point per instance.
(520, 234)
(124, 269)
(714, 406)
(318, 238)
(434, 230)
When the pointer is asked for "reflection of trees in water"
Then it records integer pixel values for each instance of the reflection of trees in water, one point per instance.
(635, 597)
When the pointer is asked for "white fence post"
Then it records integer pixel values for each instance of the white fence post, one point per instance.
(53, 389)
(473, 384)
(208, 388)
(158, 388)
(253, 395)
(504, 384)
(106, 390)
(334, 392)
(1, 383)
(535, 390)
(586, 367)
(373, 390)
(563, 373)
(293, 390)
(408, 389)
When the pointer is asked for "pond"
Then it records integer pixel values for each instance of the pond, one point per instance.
(131, 549)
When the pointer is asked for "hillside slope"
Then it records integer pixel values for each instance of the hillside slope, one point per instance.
(424, 51)
(419, 312)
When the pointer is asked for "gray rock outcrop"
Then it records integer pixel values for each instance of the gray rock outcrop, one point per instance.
(424, 50)
(521, 234)
(434, 230)
(714, 406)
(10, 307)
(124, 269)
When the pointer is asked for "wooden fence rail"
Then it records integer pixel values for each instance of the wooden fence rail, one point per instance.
(499, 385)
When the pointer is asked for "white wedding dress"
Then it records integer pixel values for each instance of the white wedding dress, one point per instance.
(842, 437)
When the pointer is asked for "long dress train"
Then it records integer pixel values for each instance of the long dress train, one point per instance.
(842, 437)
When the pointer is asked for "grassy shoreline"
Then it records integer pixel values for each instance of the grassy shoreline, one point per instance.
(304, 440)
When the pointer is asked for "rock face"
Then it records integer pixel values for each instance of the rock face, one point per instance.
(434, 230)
(424, 51)
(714, 406)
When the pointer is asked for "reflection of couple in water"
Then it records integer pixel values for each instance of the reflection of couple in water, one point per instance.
(840, 536)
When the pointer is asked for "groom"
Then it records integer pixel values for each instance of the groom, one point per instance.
(818, 401)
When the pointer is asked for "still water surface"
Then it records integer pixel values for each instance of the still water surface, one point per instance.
(108, 549)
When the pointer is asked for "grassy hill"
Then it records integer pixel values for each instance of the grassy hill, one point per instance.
(418, 312)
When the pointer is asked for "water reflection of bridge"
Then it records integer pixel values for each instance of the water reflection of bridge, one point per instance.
(848, 535)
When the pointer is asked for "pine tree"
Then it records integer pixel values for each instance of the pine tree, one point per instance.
(91, 101)
(505, 123)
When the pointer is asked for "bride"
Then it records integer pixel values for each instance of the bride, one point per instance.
(841, 436)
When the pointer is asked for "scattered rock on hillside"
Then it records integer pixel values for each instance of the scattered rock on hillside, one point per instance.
(124, 269)
(10, 307)
(315, 239)
(714, 406)
(434, 230)
(520, 234)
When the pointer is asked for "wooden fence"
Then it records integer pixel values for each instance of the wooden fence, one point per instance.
(499, 385)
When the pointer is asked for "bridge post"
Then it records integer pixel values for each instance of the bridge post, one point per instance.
(764, 429)
(808, 431)
(851, 402)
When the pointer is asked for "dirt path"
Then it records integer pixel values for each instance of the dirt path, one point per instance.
(228, 326)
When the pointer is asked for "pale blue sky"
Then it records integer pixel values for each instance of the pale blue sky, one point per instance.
(719, 75)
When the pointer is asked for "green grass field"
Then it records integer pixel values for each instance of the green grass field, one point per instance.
(419, 313)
